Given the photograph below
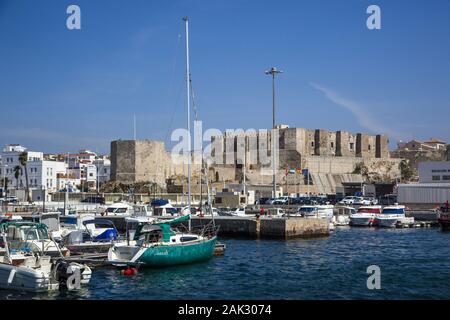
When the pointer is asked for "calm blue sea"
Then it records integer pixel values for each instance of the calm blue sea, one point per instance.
(415, 264)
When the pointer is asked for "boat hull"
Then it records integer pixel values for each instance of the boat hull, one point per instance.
(386, 222)
(444, 223)
(361, 221)
(25, 279)
(169, 255)
(95, 247)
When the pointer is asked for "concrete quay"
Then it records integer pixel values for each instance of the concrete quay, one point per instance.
(250, 227)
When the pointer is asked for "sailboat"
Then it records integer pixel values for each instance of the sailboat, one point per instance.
(160, 244)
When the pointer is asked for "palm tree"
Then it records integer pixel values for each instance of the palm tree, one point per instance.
(23, 159)
(17, 173)
(4, 186)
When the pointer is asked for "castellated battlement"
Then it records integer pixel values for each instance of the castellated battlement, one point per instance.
(303, 142)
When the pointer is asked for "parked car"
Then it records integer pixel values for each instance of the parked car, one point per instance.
(281, 200)
(349, 200)
(9, 200)
(365, 201)
(262, 201)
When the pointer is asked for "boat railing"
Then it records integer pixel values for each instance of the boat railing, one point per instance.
(208, 230)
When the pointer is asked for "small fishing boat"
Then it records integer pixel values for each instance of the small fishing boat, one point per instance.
(159, 245)
(165, 210)
(276, 212)
(96, 237)
(51, 220)
(365, 216)
(32, 236)
(316, 211)
(342, 216)
(26, 270)
(117, 209)
(390, 216)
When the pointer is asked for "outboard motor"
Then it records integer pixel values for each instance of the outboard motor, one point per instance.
(67, 275)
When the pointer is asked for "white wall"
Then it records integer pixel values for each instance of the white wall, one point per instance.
(436, 193)
(434, 172)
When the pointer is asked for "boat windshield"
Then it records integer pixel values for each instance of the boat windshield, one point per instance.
(368, 210)
(117, 210)
(171, 211)
(393, 211)
(30, 233)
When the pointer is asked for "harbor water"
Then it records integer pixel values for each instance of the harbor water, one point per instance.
(414, 263)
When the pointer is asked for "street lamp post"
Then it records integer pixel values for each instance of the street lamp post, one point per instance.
(273, 71)
(43, 199)
(4, 180)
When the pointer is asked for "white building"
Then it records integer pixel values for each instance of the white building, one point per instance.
(103, 170)
(81, 166)
(434, 172)
(41, 173)
(433, 187)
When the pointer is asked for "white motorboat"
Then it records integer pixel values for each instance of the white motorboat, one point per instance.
(390, 215)
(342, 216)
(142, 210)
(96, 236)
(365, 216)
(276, 212)
(51, 220)
(33, 237)
(167, 210)
(316, 211)
(25, 270)
(19, 271)
(117, 209)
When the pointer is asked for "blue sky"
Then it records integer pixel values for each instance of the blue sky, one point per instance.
(63, 90)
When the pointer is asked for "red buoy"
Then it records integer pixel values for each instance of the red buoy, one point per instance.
(129, 271)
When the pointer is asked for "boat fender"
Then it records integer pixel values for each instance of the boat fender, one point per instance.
(11, 276)
(129, 271)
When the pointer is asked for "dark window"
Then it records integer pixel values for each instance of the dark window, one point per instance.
(185, 239)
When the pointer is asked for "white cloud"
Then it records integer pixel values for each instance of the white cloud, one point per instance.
(362, 114)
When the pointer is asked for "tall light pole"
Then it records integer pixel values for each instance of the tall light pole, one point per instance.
(273, 71)
(4, 179)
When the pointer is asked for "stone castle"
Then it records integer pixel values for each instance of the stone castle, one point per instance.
(332, 158)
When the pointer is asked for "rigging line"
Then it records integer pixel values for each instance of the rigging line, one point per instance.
(169, 127)
(172, 81)
(193, 98)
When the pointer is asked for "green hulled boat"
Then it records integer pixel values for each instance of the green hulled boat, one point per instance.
(159, 245)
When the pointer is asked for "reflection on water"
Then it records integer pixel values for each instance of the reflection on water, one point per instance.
(415, 264)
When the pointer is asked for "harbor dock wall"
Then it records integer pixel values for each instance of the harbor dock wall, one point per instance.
(250, 227)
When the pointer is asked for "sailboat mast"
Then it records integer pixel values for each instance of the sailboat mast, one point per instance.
(188, 76)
